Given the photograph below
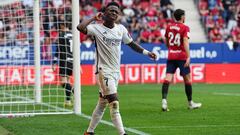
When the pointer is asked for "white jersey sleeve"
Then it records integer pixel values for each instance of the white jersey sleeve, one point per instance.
(126, 36)
(91, 29)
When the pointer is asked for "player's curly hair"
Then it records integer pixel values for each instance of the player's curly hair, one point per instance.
(113, 4)
(178, 13)
(103, 9)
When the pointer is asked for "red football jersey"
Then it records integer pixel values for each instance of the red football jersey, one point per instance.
(175, 33)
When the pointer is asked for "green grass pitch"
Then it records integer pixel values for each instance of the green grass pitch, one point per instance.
(140, 107)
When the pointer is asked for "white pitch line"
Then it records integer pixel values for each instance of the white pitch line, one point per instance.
(132, 130)
(191, 126)
(86, 116)
(227, 94)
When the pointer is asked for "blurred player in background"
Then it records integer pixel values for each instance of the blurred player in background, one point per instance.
(177, 36)
(64, 58)
(108, 36)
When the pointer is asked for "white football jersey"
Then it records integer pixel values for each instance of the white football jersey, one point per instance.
(108, 45)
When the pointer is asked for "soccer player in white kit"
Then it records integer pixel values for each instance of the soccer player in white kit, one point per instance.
(108, 37)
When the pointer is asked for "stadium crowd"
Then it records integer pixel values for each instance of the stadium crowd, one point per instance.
(146, 20)
(221, 19)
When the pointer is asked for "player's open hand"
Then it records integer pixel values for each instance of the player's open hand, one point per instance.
(152, 55)
(98, 16)
(187, 63)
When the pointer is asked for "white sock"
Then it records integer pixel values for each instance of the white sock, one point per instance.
(116, 117)
(190, 102)
(97, 114)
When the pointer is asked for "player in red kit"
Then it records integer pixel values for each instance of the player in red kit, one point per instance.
(177, 35)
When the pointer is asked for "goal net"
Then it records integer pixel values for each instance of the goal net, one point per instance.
(28, 83)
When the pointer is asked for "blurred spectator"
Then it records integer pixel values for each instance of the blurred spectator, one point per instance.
(167, 11)
(238, 14)
(127, 3)
(57, 3)
(235, 34)
(47, 49)
(215, 35)
(203, 9)
(145, 19)
(219, 17)
(88, 41)
(1, 24)
(209, 22)
(134, 28)
(230, 42)
(22, 39)
(156, 36)
(2, 38)
(164, 3)
(231, 18)
(28, 3)
(145, 35)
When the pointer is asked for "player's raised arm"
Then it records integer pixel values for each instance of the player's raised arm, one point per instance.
(136, 47)
(82, 27)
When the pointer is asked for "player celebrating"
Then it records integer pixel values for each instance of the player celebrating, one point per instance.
(108, 37)
(64, 56)
(177, 35)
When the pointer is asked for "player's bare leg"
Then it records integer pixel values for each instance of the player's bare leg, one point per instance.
(165, 88)
(188, 91)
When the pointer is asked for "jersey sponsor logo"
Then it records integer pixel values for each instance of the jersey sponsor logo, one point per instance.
(113, 42)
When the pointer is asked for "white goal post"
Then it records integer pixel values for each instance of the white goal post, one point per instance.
(28, 40)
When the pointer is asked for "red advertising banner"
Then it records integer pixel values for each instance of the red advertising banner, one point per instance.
(130, 73)
(161, 73)
(222, 73)
(198, 72)
(133, 73)
(3, 75)
(29, 75)
(88, 75)
(14, 75)
(122, 75)
(149, 73)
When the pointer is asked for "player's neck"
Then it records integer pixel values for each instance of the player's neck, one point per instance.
(108, 24)
(180, 21)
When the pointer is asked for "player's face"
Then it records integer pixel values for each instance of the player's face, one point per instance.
(112, 13)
